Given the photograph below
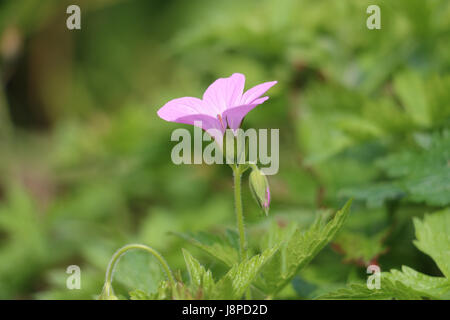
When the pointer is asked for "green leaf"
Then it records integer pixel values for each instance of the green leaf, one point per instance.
(427, 286)
(374, 194)
(277, 234)
(433, 152)
(433, 238)
(164, 292)
(411, 91)
(234, 284)
(201, 281)
(423, 175)
(138, 270)
(139, 295)
(433, 188)
(438, 92)
(407, 284)
(299, 250)
(388, 290)
(23, 238)
(222, 248)
(360, 248)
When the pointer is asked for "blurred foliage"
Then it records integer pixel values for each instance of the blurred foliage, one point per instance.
(85, 161)
(408, 284)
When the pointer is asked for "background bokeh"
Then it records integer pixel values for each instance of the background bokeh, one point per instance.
(85, 162)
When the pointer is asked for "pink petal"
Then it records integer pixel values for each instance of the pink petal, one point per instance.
(267, 202)
(181, 107)
(205, 122)
(234, 116)
(224, 93)
(257, 91)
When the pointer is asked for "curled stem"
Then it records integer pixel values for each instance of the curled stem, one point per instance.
(108, 292)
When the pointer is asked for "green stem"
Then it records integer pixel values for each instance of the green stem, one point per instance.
(107, 288)
(237, 173)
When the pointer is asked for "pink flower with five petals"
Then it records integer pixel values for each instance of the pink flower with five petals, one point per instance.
(224, 105)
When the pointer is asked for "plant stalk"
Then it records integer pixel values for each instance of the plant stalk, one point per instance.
(107, 288)
(237, 174)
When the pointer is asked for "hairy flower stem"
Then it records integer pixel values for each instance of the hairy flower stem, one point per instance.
(237, 174)
(107, 288)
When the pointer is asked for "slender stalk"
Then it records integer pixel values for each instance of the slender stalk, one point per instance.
(237, 173)
(108, 290)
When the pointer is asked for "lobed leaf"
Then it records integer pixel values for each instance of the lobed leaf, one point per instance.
(221, 248)
(201, 280)
(388, 290)
(433, 238)
(298, 251)
(234, 284)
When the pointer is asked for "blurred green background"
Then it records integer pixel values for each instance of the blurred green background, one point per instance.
(85, 161)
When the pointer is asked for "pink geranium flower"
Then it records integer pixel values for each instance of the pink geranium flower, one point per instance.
(224, 105)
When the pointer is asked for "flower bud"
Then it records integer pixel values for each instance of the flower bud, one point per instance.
(260, 189)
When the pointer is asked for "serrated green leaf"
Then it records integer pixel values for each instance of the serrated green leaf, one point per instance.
(433, 238)
(277, 234)
(234, 284)
(423, 175)
(407, 284)
(224, 289)
(419, 161)
(375, 194)
(433, 188)
(387, 291)
(219, 247)
(139, 295)
(163, 292)
(427, 286)
(201, 280)
(299, 250)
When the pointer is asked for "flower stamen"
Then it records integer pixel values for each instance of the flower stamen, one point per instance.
(221, 121)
